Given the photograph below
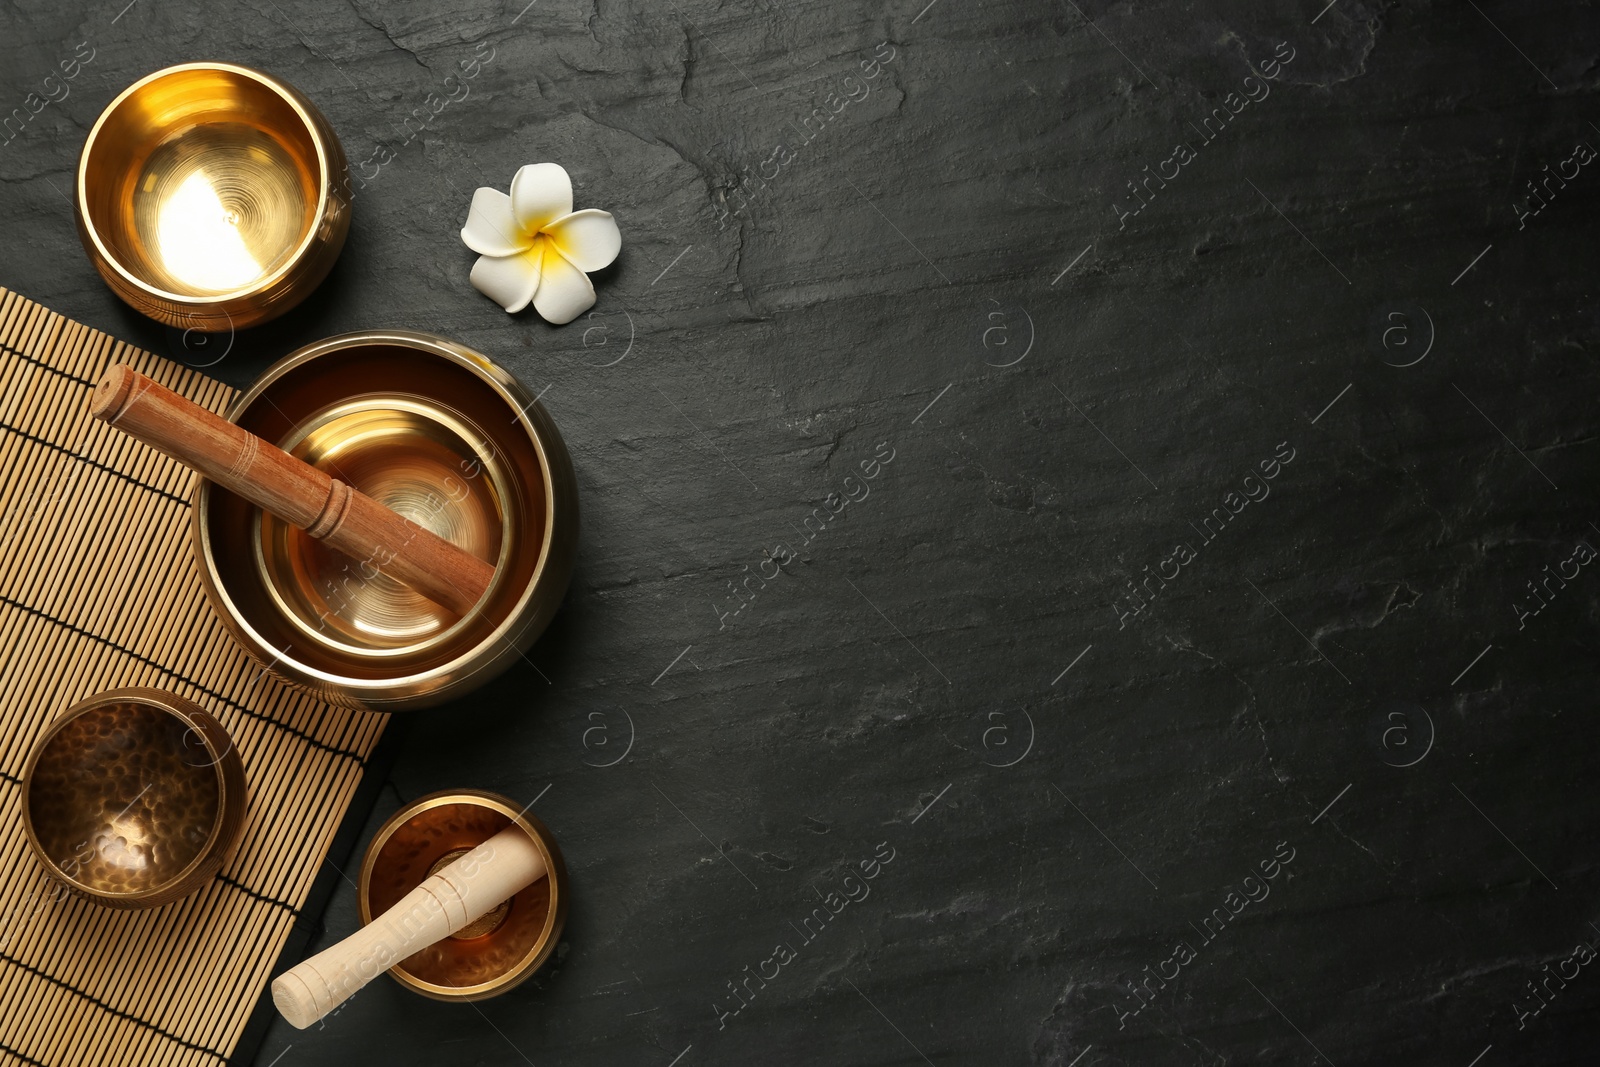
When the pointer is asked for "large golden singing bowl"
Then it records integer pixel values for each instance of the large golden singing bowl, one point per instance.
(438, 433)
(133, 798)
(212, 196)
(499, 950)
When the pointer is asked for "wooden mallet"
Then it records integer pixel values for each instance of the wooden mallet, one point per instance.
(447, 901)
(293, 490)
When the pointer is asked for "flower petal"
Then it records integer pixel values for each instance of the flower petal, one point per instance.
(511, 281)
(564, 290)
(589, 238)
(492, 229)
(540, 192)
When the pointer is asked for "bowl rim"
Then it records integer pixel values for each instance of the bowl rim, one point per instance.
(556, 874)
(290, 96)
(509, 389)
(187, 712)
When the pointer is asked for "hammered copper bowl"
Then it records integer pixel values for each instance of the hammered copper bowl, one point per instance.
(211, 196)
(441, 435)
(133, 798)
(499, 950)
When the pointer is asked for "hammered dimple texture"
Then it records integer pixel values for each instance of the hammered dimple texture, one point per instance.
(123, 798)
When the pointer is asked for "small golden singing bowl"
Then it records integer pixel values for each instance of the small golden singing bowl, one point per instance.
(496, 952)
(211, 196)
(133, 798)
(438, 433)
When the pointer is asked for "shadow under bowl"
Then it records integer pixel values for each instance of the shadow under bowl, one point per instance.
(503, 948)
(439, 434)
(212, 196)
(133, 798)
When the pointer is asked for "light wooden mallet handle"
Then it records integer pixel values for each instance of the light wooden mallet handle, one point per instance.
(446, 902)
(293, 490)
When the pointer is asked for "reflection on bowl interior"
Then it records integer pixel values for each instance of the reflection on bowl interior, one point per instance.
(123, 798)
(424, 461)
(206, 182)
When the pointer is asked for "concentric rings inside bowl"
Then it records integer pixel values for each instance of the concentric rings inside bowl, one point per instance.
(203, 182)
(412, 456)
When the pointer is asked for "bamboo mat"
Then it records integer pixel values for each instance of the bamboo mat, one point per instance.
(98, 589)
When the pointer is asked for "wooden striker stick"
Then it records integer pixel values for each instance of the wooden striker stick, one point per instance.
(446, 902)
(293, 490)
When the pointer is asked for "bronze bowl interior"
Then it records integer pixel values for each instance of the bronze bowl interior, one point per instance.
(134, 798)
(209, 196)
(438, 433)
(504, 947)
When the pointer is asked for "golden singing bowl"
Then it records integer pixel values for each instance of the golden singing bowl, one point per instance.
(499, 950)
(212, 196)
(438, 433)
(133, 798)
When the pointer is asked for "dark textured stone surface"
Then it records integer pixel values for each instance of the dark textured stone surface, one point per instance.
(1363, 615)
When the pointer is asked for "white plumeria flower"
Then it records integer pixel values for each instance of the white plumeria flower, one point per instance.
(533, 248)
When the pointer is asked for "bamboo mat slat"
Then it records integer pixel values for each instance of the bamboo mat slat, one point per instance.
(81, 984)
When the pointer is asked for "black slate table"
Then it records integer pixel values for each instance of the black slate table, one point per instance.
(1121, 474)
